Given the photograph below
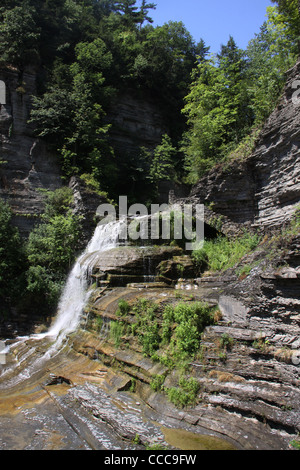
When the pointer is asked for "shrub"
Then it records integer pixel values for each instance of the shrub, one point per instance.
(168, 320)
(44, 285)
(157, 382)
(184, 395)
(150, 339)
(182, 326)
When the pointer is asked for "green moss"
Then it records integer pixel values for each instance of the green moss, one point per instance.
(116, 332)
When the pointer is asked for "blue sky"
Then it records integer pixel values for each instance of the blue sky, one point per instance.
(214, 20)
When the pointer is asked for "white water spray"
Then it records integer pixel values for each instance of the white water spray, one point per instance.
(76, 292)
(74, 298)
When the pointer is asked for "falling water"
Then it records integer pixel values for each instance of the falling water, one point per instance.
(74, 298)
(76, 292)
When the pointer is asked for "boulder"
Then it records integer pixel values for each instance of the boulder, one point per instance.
(126, 264)
(177, 267)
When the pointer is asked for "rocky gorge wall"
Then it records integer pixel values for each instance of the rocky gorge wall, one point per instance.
(263, 189)
(27, 165)
(245, 368)
(136, 122)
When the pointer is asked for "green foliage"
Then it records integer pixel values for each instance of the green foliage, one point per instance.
(226, 341)
(235, 92)
(19, 35)
(224, 253)
(98, 324)
(72, 115)
(271, 53)
(93, 184)
(51, 115)
(162, 165)
(131, 15)
(53, 244)
(167, 324)
(216, 110)
(116, 331)
(190, 320)
(184, 395)
(90, 52)
(123, 308)
(32, 275)
(51, 248)
(175, 330)
(44, 285)
(146, 327)
(289, 17)
(94, 51)
(12, 259)
(157, 382)
(169, 334)
(150, 339)
(58, 202)
(295, 444)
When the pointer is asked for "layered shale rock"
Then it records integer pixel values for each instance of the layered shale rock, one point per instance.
(136, 122)
(27, 165)
(263, 189)
(128, 264)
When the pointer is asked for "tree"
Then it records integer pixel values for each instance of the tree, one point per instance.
(170, 54)
(51, 249)
(12, 259)
(206, 120)
(289, 15)
(270, 54)
(217, 109)
(129, 12)
(145, 7)
(72, 117)
(232, 62)
(19, 35)
(52, 115)
(202, 50)
(163, 162)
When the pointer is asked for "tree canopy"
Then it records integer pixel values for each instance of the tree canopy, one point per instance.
(86, 52)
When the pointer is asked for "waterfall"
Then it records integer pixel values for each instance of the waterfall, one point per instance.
(77, 292)
(74, 298)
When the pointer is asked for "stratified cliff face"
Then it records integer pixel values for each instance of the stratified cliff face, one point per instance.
(136, 122)
(27, 164)
(263, 189)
